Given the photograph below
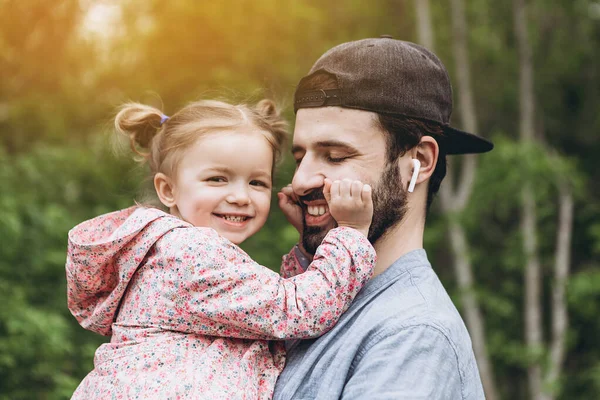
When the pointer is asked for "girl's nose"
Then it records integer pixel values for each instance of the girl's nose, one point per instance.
(239, 196)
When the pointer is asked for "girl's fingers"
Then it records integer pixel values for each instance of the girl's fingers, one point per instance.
(366, 194)
(335, 189)
(356, 189)
(327, 189)
(287, 190)
(284, 200)
(345, 188)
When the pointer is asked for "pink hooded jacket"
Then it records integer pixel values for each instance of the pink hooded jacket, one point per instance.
(190, 313)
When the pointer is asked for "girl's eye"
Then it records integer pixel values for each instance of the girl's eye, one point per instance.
(259, 183)
(216, 179)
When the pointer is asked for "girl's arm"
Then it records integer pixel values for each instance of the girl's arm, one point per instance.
(219, 290)
(293, 263)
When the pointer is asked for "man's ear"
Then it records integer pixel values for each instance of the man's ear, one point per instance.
(164, 189)
(427, 152)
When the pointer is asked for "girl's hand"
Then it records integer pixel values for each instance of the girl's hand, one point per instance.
(288, 203)
(350, 203)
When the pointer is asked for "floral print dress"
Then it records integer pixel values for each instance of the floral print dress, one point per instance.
(191, 315)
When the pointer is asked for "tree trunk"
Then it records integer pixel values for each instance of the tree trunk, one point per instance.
(473, 317)
(533, 311)
(455, 202)
(560, 318)
(425, 31)
(533, 308)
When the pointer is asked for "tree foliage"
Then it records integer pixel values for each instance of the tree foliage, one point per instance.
(60, 86)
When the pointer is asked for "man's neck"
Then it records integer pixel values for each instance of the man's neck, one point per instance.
(399, 240)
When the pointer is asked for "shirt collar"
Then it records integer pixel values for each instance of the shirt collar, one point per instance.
(414, 258)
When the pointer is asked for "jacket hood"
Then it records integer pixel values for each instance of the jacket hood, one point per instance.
(103, 255)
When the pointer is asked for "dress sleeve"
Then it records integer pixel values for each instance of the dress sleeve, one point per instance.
(292, 264)
(219, 290)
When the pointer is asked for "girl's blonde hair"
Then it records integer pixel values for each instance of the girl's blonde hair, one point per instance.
(161, 141)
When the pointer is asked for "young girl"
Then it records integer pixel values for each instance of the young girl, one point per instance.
(190, 313)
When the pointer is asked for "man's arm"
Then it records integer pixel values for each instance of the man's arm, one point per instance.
(415, 362)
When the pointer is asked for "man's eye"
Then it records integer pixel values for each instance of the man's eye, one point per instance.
(335, 159)
(217, 179)
(298, 161)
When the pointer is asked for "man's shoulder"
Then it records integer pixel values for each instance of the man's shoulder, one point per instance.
(414, 318)
(415, 297)
(415, 303)
(402, 322)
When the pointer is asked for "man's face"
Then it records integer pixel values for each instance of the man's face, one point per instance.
(338, 143)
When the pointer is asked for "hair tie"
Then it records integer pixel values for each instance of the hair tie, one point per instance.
(163, 119)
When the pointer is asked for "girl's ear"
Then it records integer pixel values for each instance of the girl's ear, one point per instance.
(164, 189)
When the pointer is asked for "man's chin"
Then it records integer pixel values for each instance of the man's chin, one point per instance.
(312, 236)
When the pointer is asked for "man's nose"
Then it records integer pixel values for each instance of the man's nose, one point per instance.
(307, 178)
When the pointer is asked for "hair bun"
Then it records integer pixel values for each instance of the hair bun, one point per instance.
(140, 123)
(267, 108)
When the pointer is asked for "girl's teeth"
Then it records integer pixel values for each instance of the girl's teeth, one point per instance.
(234, 218)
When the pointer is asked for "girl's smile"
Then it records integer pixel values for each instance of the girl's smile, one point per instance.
(223, 181)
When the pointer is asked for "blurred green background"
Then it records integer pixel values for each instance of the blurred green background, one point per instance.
(66, 64)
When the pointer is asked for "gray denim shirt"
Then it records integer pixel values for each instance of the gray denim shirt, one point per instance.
(402, 338)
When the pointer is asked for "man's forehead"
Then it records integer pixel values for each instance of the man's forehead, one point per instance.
(343, 125)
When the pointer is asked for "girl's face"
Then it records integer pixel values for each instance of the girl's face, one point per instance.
(224, 182)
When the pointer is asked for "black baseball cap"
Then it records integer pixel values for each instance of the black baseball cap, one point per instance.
(392, 77)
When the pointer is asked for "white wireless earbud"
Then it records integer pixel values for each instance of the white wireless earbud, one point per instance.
(415, 175)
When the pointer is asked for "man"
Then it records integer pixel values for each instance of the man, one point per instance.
(366, 111)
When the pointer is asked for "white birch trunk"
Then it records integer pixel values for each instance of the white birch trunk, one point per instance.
(456, 202)
(533, 308)
(424, 29)
(562, 263)
(532, 280)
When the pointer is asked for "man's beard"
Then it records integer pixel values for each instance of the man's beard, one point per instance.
(389, 208)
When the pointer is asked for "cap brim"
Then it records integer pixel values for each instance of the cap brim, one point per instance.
(459, 142)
